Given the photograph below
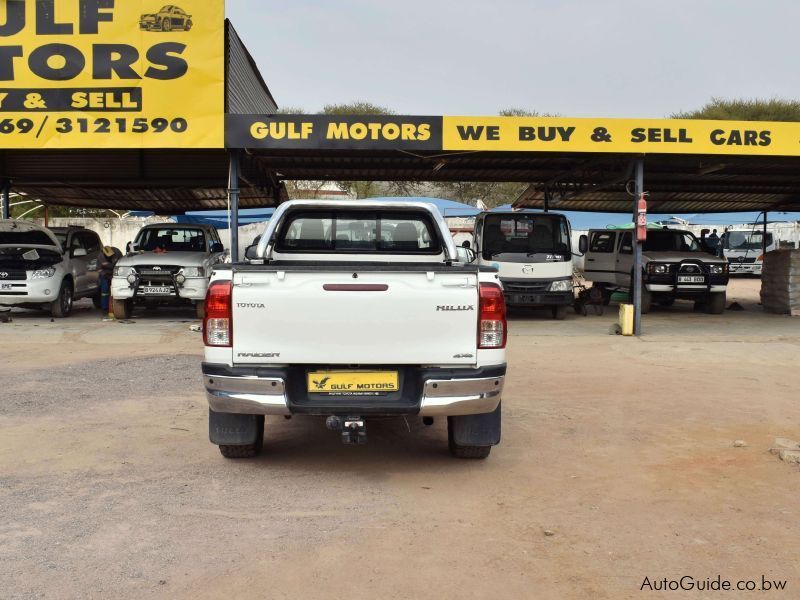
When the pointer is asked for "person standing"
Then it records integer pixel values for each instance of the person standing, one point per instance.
(713, 242)
(106, 271)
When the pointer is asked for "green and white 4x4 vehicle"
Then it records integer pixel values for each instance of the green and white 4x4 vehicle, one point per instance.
(167, 264)
(50, 269)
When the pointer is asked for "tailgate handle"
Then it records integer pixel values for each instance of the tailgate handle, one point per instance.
(355, 287)
(464, 283)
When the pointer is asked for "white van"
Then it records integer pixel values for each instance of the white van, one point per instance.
(532, 252)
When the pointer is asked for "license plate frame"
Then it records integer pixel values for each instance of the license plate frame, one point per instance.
(692, 279)
(157, 290)
(352, 383)
(6, 287)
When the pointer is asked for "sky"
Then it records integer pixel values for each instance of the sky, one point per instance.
(581, 58)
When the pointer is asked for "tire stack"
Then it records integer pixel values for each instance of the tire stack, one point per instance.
(780, 282)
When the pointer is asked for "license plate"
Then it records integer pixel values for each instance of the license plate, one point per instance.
(156, 291)
(353, 382)
(691, 279)
(6, 286)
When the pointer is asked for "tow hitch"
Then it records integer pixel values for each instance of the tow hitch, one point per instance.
(353, 429)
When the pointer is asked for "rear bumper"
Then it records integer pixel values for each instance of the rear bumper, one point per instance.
(425, 392)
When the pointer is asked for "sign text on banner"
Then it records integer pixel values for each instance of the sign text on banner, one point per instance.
(111, 74)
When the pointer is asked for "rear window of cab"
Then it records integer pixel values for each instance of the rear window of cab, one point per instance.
(358, 232)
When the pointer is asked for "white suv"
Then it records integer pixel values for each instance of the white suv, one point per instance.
(43, 268)
(167, 264)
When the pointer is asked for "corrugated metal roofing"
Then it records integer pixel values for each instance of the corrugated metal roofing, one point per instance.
(579, 182)
(246, 91)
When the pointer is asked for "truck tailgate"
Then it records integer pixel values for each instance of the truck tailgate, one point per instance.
(378, 318)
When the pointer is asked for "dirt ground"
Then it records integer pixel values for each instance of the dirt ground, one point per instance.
(617, 463)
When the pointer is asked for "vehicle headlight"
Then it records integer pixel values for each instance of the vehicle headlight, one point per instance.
(717, 269)
(44, 273)
(565, 285)
(658, 269)
(123, 271)
(193, 272)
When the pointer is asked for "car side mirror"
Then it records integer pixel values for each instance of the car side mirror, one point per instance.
(217, 247)
(583, 244)
(78, 252)
(130, 248)
(465, 255)
(251, 253)
(466, 244)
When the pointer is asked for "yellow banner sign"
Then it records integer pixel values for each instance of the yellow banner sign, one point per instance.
(111, 74)
(667, 136)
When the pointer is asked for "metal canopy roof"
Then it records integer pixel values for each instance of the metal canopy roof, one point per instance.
(166, 182)
(570, 181)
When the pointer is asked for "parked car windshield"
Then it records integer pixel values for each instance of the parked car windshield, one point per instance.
(171, 239)
(745, 240)
(384, 232)
(25, 238)
(526, 235)
(667, 240)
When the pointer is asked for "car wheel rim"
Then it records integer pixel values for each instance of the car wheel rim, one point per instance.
(67, 301)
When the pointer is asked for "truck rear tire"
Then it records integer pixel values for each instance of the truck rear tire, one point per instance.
(245, 450)
(122, 309)
(248, 451)
(200, 310)
(472, 436)
(716, 303)
(473, 452)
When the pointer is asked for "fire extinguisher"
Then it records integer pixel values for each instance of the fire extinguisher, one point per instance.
(641, 220)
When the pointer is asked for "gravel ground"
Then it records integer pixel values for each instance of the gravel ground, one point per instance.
(618, 462)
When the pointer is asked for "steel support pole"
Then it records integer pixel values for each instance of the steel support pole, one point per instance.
(233, 198)
(637, 249)
(764, 237)
(6, 212)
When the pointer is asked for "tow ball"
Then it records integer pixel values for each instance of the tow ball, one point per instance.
(353, 429)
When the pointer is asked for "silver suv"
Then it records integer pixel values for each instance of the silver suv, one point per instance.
(48, 268)
(167, 264)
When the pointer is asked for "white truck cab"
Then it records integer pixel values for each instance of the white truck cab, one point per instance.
(532, 253)
(352, 311)
(674, 263)
(744, 250)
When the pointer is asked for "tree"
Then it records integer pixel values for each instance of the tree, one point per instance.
(775, 109)
(357, 107)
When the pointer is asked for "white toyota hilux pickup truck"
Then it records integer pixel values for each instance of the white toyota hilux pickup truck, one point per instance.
(355, 310)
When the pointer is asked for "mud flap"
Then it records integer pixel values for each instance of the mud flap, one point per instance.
(476, 430)
(226, 429)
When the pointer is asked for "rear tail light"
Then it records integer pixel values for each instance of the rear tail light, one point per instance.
(492, 328)
(218, 321)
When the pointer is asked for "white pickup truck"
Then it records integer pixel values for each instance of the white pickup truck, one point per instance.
(355, 310)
